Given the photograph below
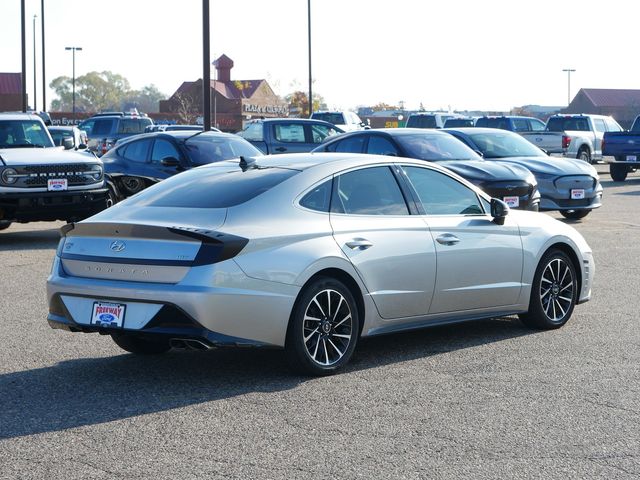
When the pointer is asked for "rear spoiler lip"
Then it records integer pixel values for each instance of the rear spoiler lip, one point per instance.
(216, 246)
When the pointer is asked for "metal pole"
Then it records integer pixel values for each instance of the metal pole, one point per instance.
(35, 75)
(310, 81)
(568, 70)
(44, 77)
(73, 83)
(206, 67)
(24, 56)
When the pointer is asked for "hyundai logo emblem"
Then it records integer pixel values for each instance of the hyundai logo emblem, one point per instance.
(117, 246)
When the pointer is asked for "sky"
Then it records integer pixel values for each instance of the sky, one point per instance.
(446, 54)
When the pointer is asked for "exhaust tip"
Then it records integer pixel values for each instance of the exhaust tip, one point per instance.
(189, 344)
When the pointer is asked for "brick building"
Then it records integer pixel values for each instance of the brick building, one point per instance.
(233, 102)
(623, 105)
(10, 92)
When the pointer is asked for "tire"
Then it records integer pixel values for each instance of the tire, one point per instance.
(323, 329)
(132, 185)
(4, 224)
(141, 346)
(574, 214)
(584, 154)
(554, 292)
(618, 172)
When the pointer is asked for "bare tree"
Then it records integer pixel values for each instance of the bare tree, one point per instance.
(187, 109)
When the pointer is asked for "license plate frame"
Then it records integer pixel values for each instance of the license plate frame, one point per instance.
(512, 201)
(108, 314)
(632, 158)
(57, 185)
(577, 194)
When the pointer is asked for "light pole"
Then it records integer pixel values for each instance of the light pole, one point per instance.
(310, 82)
(568, 70)
(44, 77)
(206, 67)
(73, 78)
(35, 84)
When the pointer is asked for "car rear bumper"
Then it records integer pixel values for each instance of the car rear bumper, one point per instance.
(70, 205)
(216, 304)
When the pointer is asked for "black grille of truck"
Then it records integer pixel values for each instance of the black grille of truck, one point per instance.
(75, 173)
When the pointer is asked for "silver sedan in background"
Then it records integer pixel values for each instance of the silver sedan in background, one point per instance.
(568, 185)
(309, 252)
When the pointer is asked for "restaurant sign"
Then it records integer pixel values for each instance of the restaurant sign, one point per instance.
(282, 110)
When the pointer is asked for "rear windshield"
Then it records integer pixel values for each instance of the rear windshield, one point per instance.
(435, 147)
(458, 122)
(335, 118)
(560, 124)
(422, 121)
(501, 123)
(23, 133)
(133, 125)
(59, 135)
(103, 126)
(209, 149)
(212, 187)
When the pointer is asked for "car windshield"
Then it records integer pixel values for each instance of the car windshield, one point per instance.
(23, 133)
(433, 147)
(203, 149)
(561, 124)
(503, 145)
(334, 118)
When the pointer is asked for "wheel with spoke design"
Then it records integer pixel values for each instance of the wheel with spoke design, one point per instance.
(554, 292)
(323, 329)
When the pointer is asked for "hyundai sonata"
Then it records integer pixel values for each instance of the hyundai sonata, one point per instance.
(310, 252)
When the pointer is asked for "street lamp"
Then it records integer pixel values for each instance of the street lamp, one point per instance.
(73, 78)
(35, 102)
(568, 70)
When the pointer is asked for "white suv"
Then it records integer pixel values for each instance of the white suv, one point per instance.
(345, 120)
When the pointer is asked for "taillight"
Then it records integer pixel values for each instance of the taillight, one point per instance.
(566, 140)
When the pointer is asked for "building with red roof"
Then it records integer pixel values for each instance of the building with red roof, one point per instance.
(233, 102)
(621, 104)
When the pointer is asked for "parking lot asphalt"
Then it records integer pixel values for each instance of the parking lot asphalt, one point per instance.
(488, 399)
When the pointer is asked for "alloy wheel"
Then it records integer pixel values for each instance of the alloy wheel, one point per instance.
(557, 290)
(327, 327)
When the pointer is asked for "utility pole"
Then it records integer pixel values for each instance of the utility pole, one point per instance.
(35, 76)
(568, 70)
(24, 56)
(73, 78)
(206, 67)
(310, 80)
(44, 77)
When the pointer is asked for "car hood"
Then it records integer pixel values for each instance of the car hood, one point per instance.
(38, 156)
(551, 165)
(482, 170)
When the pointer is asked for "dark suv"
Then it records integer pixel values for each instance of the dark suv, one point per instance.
(105, 130)
(512, 123)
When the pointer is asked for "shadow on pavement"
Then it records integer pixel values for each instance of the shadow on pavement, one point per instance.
(91, 391)
(29, 240)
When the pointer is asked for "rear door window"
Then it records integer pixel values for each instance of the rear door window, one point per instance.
(289, 133)
(378, 145)
(137, 151)
(520, 125)
(353, 144)
(368, 191)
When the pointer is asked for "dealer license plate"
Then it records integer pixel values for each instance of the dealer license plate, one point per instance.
(108, 314)
(57, 184)
(513, 202)
(577, 193)
(632, 158)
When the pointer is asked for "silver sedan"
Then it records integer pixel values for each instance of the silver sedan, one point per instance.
(310, 252)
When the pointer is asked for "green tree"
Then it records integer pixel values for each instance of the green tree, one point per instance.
(299, 103)
(98, 91)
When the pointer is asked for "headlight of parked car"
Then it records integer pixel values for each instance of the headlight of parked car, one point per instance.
(9, 176)
(95, 171)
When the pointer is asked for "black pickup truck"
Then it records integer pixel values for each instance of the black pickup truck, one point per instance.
(42, 182)
(287, 135)
(625, 148)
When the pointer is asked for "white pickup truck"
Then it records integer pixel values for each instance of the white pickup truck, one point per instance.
(574, 135)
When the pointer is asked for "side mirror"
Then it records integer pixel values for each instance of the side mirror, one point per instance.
(170, 162)
(499, 210)
(82, 146)
(67, 143)
(479, 153)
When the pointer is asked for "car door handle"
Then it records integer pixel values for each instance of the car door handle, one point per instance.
(447, 239)
(359, 243)
(281, 149)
